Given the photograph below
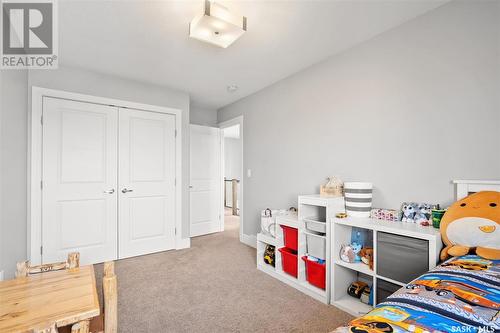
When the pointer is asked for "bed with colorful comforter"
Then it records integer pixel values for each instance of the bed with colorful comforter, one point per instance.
(460, 295)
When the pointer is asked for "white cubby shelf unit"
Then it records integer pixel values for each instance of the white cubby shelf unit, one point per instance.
(314, 208)
(345, 273)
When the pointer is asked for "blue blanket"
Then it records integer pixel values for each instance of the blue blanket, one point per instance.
(460, 295)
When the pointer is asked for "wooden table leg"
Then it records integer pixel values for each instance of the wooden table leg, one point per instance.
(81, 327)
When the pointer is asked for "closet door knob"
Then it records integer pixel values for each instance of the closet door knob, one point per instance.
(125, 190)
(110, 191)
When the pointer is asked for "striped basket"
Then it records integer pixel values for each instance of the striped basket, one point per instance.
(358, 198)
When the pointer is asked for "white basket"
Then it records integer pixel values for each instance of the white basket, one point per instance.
(313, 224)
(358, 198)
(316, 245)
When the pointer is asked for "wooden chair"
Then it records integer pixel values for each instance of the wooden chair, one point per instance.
(107, 322)
(24, 269)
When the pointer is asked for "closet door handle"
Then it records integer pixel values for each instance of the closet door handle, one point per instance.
(125, 190)
(109, 191)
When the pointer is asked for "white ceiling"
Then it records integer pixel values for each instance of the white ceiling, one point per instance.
(148, 40)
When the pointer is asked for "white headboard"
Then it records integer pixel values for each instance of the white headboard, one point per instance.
(465, 187)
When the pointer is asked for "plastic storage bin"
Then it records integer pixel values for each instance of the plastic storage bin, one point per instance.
(290, 237)
(314, 224)
(316, 244)
(289, 261)
(315, 273)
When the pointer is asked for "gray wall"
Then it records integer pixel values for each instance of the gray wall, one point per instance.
(232, 158)
(13, 139)
(409, 110)
(16, 94)
(202, 116)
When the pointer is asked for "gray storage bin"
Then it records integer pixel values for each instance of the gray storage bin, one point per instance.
(385, 289)
(313, 224)
(401, 258)
(316, 244)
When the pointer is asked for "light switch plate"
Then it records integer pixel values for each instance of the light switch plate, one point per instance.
(249, 173)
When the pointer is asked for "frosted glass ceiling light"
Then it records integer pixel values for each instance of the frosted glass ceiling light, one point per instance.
(217, 25)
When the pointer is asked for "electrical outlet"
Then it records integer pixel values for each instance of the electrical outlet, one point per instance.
(1, 275)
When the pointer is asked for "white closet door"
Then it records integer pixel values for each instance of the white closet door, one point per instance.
(206, 180)
(79, 195)
(146, 182)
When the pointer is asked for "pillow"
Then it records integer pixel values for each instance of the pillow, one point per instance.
(473, 222)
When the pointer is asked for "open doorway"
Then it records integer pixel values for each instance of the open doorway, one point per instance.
(232, 175)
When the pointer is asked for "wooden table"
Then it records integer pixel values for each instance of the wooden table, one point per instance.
(62, 297)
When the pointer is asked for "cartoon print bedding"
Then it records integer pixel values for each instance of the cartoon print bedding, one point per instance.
(460, 295)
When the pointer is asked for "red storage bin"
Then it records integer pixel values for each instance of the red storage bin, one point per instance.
(315, 273)
(290, 237)
(289, 261)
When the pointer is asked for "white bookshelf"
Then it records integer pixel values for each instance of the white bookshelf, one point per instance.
(322, 209)
(344, 273)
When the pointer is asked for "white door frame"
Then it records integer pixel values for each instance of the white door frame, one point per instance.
(34, 228)
(244, 238)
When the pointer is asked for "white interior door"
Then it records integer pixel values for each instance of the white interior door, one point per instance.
(205, 183)
(146, 182)
(79, 193)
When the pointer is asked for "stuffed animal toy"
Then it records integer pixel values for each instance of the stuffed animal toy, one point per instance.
(356, 248)
(423, 214)
(473, 222)
(366, 254)
(408, 212)
(346, 253)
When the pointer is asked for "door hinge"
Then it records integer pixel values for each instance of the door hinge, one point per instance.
(175, 135)
(41, 184)
(175, 231)
(175, 181)
(41, 120)
(41, 250)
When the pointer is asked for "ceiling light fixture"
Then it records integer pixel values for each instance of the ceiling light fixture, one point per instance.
(217, 25)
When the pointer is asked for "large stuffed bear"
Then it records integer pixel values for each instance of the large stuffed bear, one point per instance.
(473, 222)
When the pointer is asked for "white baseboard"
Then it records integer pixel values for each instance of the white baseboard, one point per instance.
(183, 243)
(250, 240)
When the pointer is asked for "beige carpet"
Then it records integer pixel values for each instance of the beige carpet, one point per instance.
(213, 287)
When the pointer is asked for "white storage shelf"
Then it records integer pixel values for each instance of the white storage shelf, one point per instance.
(311, 207)
(344, 273)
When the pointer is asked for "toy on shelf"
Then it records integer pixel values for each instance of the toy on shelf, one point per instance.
(356, 248)
(346, 253)
(366, 254)
(437, 216)
(361, 236)
(269, 254)
(385, 214)
(333, 188)
(356, 288)
(473, 222)
(367, 296)
(416, 213)
(268, 219)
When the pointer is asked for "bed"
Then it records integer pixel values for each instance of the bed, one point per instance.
(460, 295)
